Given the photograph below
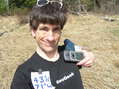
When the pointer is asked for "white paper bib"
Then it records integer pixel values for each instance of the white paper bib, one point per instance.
(41, 80)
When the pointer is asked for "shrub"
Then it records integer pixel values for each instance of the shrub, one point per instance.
(3, 6)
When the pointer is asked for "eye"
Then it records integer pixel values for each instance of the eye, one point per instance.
(57, 30)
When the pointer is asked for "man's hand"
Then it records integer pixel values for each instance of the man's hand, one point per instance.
(88, 55)
(88, 58)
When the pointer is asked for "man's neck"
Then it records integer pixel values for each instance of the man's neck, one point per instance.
(52, 56)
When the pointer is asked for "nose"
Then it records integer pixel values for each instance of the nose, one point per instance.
(50, 36)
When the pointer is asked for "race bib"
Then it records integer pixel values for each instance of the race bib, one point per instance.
(41, 80)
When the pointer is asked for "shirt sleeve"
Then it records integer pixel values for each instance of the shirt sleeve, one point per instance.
(20, 81)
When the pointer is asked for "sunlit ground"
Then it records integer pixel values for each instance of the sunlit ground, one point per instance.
(100, 36)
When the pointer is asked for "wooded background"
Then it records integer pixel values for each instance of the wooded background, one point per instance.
(77, 6)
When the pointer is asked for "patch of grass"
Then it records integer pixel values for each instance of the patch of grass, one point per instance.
(116, 64)
(115, 31)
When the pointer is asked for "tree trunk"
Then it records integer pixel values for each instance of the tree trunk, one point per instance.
(7, 5)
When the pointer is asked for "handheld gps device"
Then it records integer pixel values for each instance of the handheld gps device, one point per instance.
(73, 56)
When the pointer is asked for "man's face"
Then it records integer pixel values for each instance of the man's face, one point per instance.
(47, 36)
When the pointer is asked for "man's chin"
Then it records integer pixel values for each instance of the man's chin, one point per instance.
(49, 50)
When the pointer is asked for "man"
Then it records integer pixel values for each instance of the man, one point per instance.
(46, 69)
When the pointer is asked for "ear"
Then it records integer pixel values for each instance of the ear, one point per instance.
(33, 32)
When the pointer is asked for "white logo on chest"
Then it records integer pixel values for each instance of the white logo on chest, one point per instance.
(65, 78)
(42, 80)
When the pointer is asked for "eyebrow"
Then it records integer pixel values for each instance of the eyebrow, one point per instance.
(58, 26)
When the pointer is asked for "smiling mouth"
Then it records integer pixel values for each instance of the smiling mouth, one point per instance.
(48, 44)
